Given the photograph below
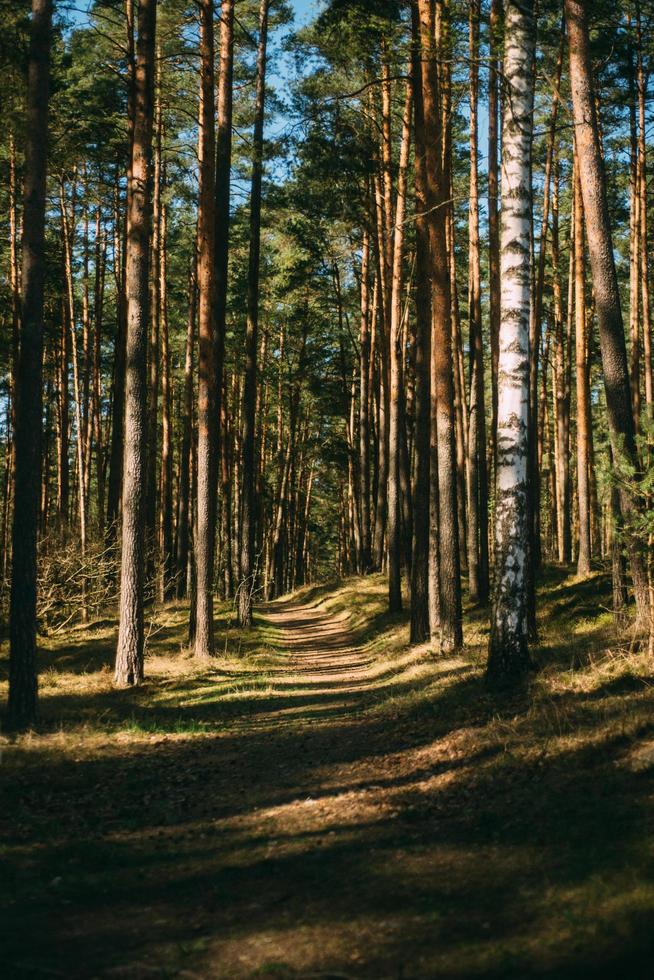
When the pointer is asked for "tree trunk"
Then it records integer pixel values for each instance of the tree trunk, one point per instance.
(420, 620)
(396, 392)
(508, 655)
(364, 407)
(442, 394)
(248, 569)
(166, 489)
(129, 656)
(641, 84)
(21, 712)
(561, 400)
(476, 457)
(205, 536)
(605, 282)
(221, 258)
(584, 421)
(494, 288)
(184, 511)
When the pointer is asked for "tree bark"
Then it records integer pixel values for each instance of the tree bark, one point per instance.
(205, 536)
(364, 407)
(248, 569)
(494, 289)
(442, 395)
(584, 421)
(420, 620)
(129, 656)
(477, 476)
(184, 510)
(605, 282)
(22, 705)
(396, 390)
(508, 656)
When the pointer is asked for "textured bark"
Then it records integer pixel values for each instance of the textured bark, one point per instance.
(129, 655)
(641, 85)
(364, 407)
(443, 461)
(223, 170)
(96, 384)
(494, 290)
(67, 228)
(184, 510)
(166, 547)
(634, 246)
(248, 510)
(583, 384)
(508, 655)
(154, 339)
(396, 388)
(605, 283)
(116, 449)
(381, 347)
(535, 332)
(63, 421)
(205, 535)
(420, 630)
(22, 705)
(561, 395)
(477, 524)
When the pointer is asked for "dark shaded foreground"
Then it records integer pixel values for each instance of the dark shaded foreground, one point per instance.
(357, 811)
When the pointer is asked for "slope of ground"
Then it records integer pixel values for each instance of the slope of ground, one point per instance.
(324, 801)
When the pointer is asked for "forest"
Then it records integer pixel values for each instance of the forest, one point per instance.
(327, 508)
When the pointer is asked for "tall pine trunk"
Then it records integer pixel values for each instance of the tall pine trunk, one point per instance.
(420, 619)
(443, 474)
(476, 458)
(205, 536)
(605, 283)
(29, 405)
(129, 655)
(397, 394)
(248, 507)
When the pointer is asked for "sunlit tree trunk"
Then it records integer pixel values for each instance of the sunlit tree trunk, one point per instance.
(221, 260)
(396, 389)
(494, 298)
(583, 383)
(420, 620)
(184, 509)
(442, 394)
(129, 655)
(605, 283)
(364, 406)
(205, 517)
(166, 485)
(476, 457)
(248, 509)
(641, 85)
(67, 228)
(508, 655)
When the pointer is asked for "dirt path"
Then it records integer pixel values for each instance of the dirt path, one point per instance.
(349, 818)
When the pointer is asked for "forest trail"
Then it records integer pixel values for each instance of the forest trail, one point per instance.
(322, 648)
(323, 800)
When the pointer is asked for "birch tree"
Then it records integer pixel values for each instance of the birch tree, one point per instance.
(508, 656)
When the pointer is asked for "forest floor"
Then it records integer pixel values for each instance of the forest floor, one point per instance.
(322, 800)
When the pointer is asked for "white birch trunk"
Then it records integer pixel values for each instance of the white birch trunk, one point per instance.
(508, 653)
